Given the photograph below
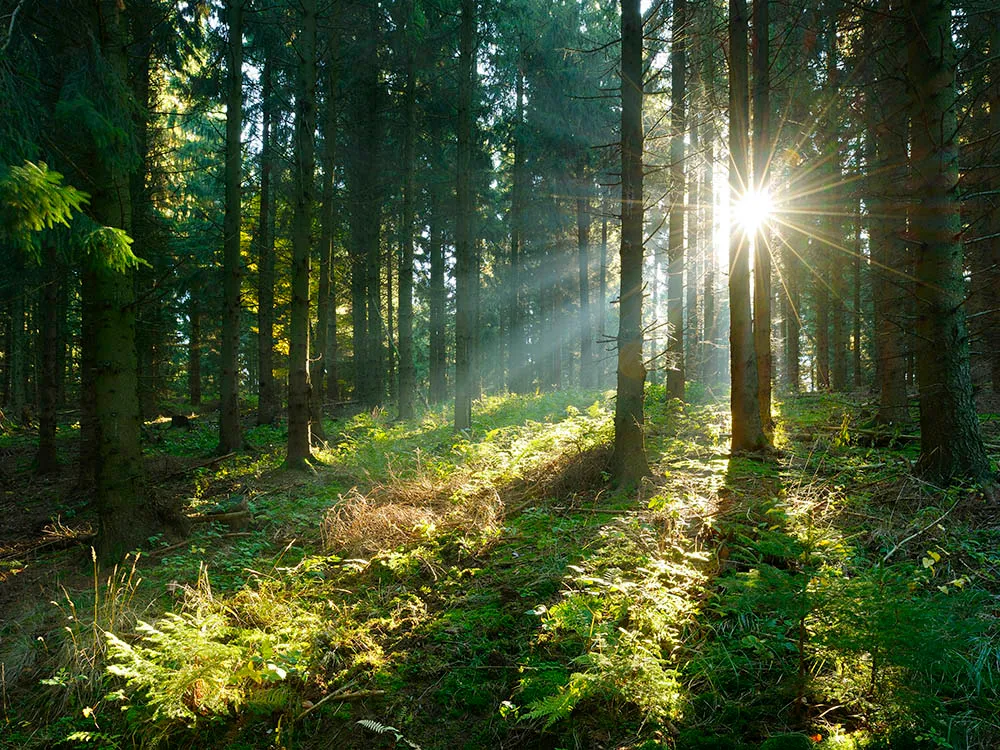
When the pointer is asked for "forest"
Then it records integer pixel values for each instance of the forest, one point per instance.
(547, 374)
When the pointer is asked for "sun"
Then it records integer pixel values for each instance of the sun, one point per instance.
(752, 210)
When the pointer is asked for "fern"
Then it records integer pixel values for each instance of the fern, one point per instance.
(379, 728)
(554, 708)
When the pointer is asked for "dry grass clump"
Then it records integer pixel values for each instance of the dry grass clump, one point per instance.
(391, 515)
(402, 511)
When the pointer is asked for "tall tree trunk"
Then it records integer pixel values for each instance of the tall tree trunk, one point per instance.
(887, 224)
(194, 351)
(373, 239)
(790, 305)
(267, 392)
(587, 379)
(63, 334)
(695, 267)
(991, 325)
(46, 459)
(149, 318)
(761, 183)
(951, 446)
(390, 319)
(602, 294)
(229, 408)
(320, 368)
(19, 353)
(517, 345)
(407, 367)
(326, 312)
(465, 261)
(710, 334)
(125, 521)
(856, 286)
(675, 253)
(366, 210)
(299, 389)
(629, 459)
(748, 433)
(438, 357)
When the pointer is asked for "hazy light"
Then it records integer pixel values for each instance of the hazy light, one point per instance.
(753, 210)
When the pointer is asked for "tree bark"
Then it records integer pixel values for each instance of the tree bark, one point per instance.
(791, 266)
(602, 294)
(407, 366)
(229, 415)
(991, 325)
(194, 351)
(46, 459)
(125, 520)
(675, 252)
(267, 394)
(951, 446)
(856, 312)
(748, 434)
(299, 388)
(887, 224)
(710, 325)
(587, 379)
(327, 307)
(629, 458)
(517, 367)
(465, 262)
(762, 148)
(438, 356)
(320, 370)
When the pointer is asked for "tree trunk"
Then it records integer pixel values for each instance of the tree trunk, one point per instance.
(629, 459)
(438, 357)
(856, 316)
(790, 312)
(125, 521)
(19, 353)
(587, 379)
(710, 334)
(602, 295)
(517, 368)
(762, 149)
(229, 414)
(675, 252)
(46, 459)
(695, 267)
(267, 393)
(324, 303)
(299, 389)
(194, 351)
(887, 226)
(465, 261)
(375, 349)
(327, 307)
(748, 434)
(407, 367)
(991, 325)
(951, 446)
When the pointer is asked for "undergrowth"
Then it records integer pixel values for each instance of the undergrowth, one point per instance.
(492, 589)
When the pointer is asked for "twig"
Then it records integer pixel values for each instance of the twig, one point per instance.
(918, 533)
(10, 28)
(199, 465)
(340, 696)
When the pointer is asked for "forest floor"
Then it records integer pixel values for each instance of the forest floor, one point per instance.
(419, 588)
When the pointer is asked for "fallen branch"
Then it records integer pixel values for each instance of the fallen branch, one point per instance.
(200, 465)
(915, 534)
(341, 696)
